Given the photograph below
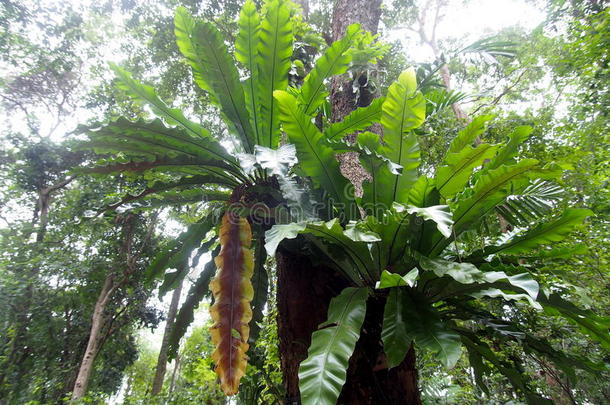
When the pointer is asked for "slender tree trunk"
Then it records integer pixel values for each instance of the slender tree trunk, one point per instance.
(429, 38)
(172, 385)
(95, 337)
(157, 384)
(305, 6)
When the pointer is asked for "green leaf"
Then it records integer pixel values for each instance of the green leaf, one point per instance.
(491, 189)
(597, 327)
(173, 278)
(323, 373)
(492, 47)
(465, 273)
(260, 285)
(423, 193)
(545, 233)
(453, 177)
(152, 138)
(275, 51)
(439, 99)
(353, 258)
(567, 363)
(186, 313)
(439, 214)
(246, 52)
(376, 193)
(425, 327)
(468, 273)
(389, 280)
(534, 203)
(517, 378)
(396, 339)
(496, 292)
(359, 119)
(404, 109)
(152, 141)
(479, 369)
(279, 232)
(334, 61)
(510, 149)
(184, 187)
(179, 250)
(467, 136)
(180, 166)
(181, 197)
(146, 94)
(316, 157)
(215, 71)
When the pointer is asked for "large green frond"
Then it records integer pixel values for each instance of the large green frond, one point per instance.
(323, 373)
(316, 157)
(275, 51)
(186, 314)
(510, 149)
(545, 233)
(532, 204)
(142, 93)
(423, 325)
(260, 284)
(179, 250)
(144, 145)
(454, 175)
(467, 136)
(403, 110)
(334, 61)
(246, 52)
(215, 71)
(597, 327)
(491, 189)
(346, 249)
(359, 119)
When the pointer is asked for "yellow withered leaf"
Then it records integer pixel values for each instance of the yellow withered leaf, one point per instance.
(233, 292)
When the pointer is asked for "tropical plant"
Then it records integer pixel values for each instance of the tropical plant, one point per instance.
(185, 163)
(402, 241)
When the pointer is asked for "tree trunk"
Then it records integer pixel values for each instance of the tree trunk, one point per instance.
(303, 298)
(303, 295)
(157, 384)
(305, 7)
(172, 384)
(305, 290)
(369, 381)
(93, 345)
(343, 98)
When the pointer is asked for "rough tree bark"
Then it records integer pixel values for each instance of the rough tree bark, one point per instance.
(303, 295)
(305, 289)
(157, 384)
(343, 98)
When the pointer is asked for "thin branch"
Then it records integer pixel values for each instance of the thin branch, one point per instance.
(506, 90)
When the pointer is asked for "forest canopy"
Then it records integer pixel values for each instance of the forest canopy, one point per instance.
(304, 202)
